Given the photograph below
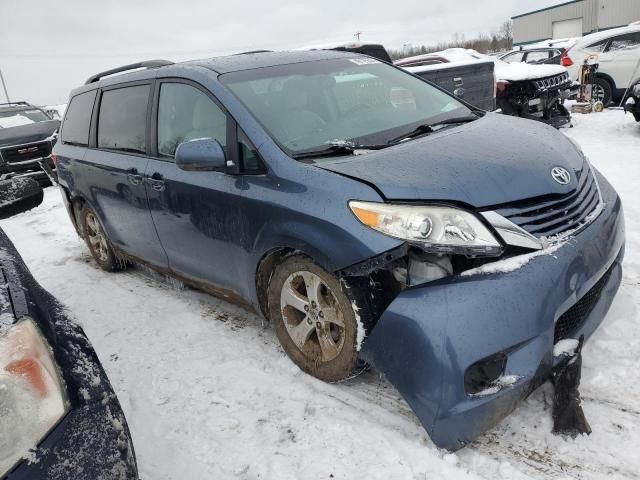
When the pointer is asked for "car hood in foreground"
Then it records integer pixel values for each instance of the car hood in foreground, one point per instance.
(32, 132)
(495, 160)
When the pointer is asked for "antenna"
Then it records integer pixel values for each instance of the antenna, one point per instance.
(357, 35)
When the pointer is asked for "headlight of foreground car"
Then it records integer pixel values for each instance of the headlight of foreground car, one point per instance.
(32, 396)
(436, 228)
(636, 91)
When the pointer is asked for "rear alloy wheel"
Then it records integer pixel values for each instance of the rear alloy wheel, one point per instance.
(602, 91)
(97, 241)
(314, 319)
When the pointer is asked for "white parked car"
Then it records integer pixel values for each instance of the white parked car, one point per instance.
(617, 51)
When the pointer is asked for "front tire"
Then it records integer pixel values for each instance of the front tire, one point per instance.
(97, 241)
(314, 319)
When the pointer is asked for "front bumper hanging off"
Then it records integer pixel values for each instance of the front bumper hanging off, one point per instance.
(430, 336)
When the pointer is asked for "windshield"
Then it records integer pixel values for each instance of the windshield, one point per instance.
(22, 117)
(361, 101)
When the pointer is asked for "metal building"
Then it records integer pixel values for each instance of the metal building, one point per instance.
(573, 19)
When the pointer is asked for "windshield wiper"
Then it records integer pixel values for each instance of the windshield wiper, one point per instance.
(336, 149)
(455, 120)
(426, 128)
(419, 130)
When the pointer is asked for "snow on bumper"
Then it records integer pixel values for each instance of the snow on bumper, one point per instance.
(429, 336)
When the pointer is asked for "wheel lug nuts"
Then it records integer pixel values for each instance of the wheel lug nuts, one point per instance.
(321, 314)
(309, 321)
(318, 325)
(306, 308)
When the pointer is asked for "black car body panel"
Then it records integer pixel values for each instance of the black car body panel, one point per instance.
(92, 441)
(473, 82)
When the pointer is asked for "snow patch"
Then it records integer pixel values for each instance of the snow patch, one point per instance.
(513, 263)
(565, 347)
(361, 331)
(499, 384)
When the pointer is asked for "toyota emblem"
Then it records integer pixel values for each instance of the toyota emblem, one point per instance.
(561, 175)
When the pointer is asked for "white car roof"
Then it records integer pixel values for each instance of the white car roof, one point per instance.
(596, 37)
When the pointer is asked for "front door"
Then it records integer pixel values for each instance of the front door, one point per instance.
(196, 214)
(116, 169)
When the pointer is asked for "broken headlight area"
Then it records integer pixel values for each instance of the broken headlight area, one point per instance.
(33, 398)
(454, 241)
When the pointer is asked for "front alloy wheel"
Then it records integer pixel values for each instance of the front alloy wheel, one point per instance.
(314, 319)
(311, 316)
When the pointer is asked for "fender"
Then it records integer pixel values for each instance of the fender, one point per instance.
(328, 245)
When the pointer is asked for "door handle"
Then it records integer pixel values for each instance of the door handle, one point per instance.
(134, 177)
(156, 182)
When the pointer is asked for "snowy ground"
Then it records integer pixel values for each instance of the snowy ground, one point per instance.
(208, 392)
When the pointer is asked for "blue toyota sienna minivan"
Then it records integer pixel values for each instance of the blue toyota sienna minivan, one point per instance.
(370, 216)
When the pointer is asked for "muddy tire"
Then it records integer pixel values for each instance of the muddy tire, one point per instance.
(97, 241)
(313, 316)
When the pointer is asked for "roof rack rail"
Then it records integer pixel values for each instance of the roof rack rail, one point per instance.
(253, 51)
(15, 103)
(125, 68)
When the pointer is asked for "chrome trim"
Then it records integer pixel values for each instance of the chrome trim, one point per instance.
(511, 233)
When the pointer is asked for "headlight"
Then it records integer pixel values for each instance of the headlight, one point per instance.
(32, 396)
(438, 228)
(636, 91)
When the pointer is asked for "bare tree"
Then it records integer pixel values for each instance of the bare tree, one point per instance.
(499, 40)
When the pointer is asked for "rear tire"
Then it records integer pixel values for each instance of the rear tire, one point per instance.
(314, 319)
(97, 241)
(603, 91)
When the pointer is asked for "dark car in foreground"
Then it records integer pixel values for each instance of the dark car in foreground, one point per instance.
(59, 416)
(632, 100)
(27, 136)
(368, 214)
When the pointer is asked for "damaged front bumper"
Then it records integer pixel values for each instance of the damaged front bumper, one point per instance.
(434, 339)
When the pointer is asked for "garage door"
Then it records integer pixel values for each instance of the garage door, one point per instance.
(567, 28)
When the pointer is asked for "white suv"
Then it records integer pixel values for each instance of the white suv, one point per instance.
(618, 53)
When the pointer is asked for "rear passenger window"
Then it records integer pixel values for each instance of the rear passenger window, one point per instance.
(186, 113)
(514, 57)
(538, 56)
(122, 121)
(75, 129)
(624, 42)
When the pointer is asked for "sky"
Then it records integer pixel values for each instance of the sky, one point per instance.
(48, 48)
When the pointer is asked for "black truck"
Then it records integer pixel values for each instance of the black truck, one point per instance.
(27, 136)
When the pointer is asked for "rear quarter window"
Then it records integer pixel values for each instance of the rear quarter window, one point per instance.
(75, 128)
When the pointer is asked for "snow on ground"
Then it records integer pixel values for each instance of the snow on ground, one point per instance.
(209, 393)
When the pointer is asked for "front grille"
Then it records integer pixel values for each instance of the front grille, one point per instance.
(553, 82)
(562, 213)
(24, 153)
(573, 318)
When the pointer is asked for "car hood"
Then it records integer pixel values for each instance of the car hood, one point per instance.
(29, 133)
(495, 160)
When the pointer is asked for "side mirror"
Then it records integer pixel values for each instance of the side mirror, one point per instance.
(201, 155)
(19, 195)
